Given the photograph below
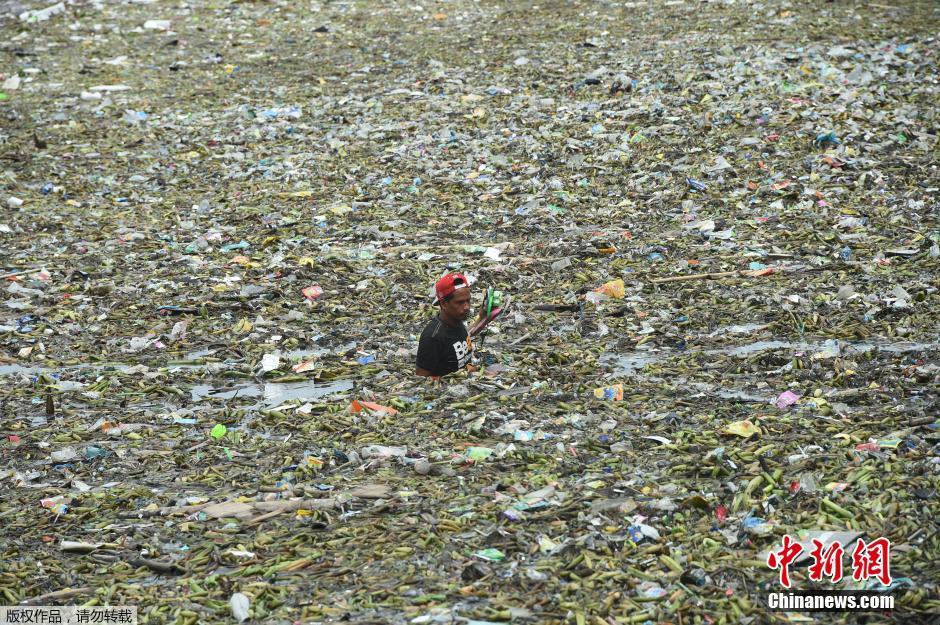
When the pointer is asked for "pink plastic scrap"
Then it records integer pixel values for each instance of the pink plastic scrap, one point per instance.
(787, 399)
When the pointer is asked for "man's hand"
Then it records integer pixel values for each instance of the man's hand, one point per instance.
(482, 322)
(483, 319)
(479, 323)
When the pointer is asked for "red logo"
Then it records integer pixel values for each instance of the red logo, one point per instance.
(827, 561)
(783, 558)
(872, 560)
(869, 560)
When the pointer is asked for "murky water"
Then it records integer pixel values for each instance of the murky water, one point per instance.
(190, 360)
(206, 391)
(631, 363)
(746, 328)
(11, 369)
(272, 393)
(751, 348)
(728, 393)
(202, 353)
(306, 353)
(277, 393)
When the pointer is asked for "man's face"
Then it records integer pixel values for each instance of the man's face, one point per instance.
(458, 306)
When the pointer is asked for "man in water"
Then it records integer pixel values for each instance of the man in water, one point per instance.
(446, 345)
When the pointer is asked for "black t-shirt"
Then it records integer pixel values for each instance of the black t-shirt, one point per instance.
(444, 349)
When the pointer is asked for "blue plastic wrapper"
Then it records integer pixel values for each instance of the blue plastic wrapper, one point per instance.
(636, 534)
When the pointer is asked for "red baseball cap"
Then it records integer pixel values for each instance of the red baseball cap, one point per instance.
(446, 286)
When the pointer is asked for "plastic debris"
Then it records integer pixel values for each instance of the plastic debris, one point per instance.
(490, 555)
(744, 429)
(715, 234)
(614, 392)
(240, 607)
(378, 409)
(614, 289)
(787, 399)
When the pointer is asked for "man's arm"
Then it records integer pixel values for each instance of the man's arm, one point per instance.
(482, 320)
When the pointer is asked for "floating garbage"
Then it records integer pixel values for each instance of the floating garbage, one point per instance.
(710, 231)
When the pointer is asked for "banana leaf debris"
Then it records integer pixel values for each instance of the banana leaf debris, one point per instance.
(220, 224)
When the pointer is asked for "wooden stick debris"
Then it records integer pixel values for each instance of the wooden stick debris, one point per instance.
(262, 518)
(703, 276)
(748, 273)
(16, 274)
(146, 514)
(58, 595)
(158, 566)
(76, 547)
